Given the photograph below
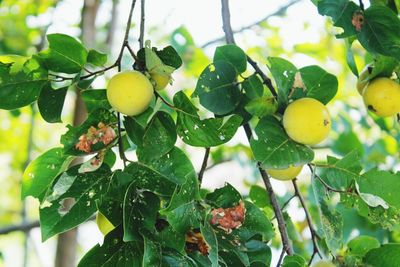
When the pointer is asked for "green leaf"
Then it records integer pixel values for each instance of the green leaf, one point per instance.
(168, 237)
(159, 137)
(350, 59)
(256, 222)
(263, 106)
(140, 212)
(149, 179)
(341, 173)
(217, 89)
(114, 252)
(65, 54)
(170, 57)
(23, 87)
(379, 32)
(232, 54)
(224, 197)
(253, 87)
(360, 245)
(211, 240)
(82, 189)
(96, 58)
(283, 72)
(341, 12)
(41, 172)
(71, 137)
(259, 253)
(331, 219)
(294, 261)
(173, 258)
(382, 67)
(184, 217)
(202, 133)
(274, 149)
(383, 184)
(51, 103)
(153, 63)
(259, 196)
(152, 253)
(95, 99)
(175, 165)
(135, 126)
(183, 211)
(320, 84)
(385, 256)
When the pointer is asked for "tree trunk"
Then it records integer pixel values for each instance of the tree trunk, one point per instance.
(67, 242)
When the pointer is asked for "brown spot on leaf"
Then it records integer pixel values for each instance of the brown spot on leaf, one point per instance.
(103, 133)
(195, 241)
(358, 20)
(229, 218)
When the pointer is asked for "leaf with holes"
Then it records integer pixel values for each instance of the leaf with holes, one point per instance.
(140, 212)
(216, 88)
(41, 172)
(71, 199)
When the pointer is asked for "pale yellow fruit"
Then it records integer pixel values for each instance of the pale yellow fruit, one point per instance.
(324, 263)
(130, 92)
(17, 62)
(382, 96)
(161, 80)
(285, 174)
(363, 80)
(105, 226)
(307, 121)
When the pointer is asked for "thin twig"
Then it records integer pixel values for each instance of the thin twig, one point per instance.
(278, 212)
(142, 20)
(314, 234)
(278, 12)
(218, 163)
(204, 165)
(287, 202)
(281, 257)
(361, 5)
(327, 186)
(267, 81)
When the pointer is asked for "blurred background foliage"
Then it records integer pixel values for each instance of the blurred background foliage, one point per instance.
(297, 33)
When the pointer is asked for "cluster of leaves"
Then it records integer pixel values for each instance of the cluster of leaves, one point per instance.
(375, 28)
(162, 217)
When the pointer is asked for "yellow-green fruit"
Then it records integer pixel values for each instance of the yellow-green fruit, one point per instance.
(17, 62)
(307, 121)
(285, 174)
(161, 80)
(363, 81)
(324, 264)
(130, 92)
(382, 96)
(105, 226)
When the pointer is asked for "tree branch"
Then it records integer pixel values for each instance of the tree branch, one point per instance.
(23, 227)
(142, 20)
(314, 234)
(361, 5)
(278, 212)
(267, 81)
(278, 12)
(204, 165)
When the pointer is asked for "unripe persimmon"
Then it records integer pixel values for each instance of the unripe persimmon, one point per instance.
(307, 121)
(130, 92)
